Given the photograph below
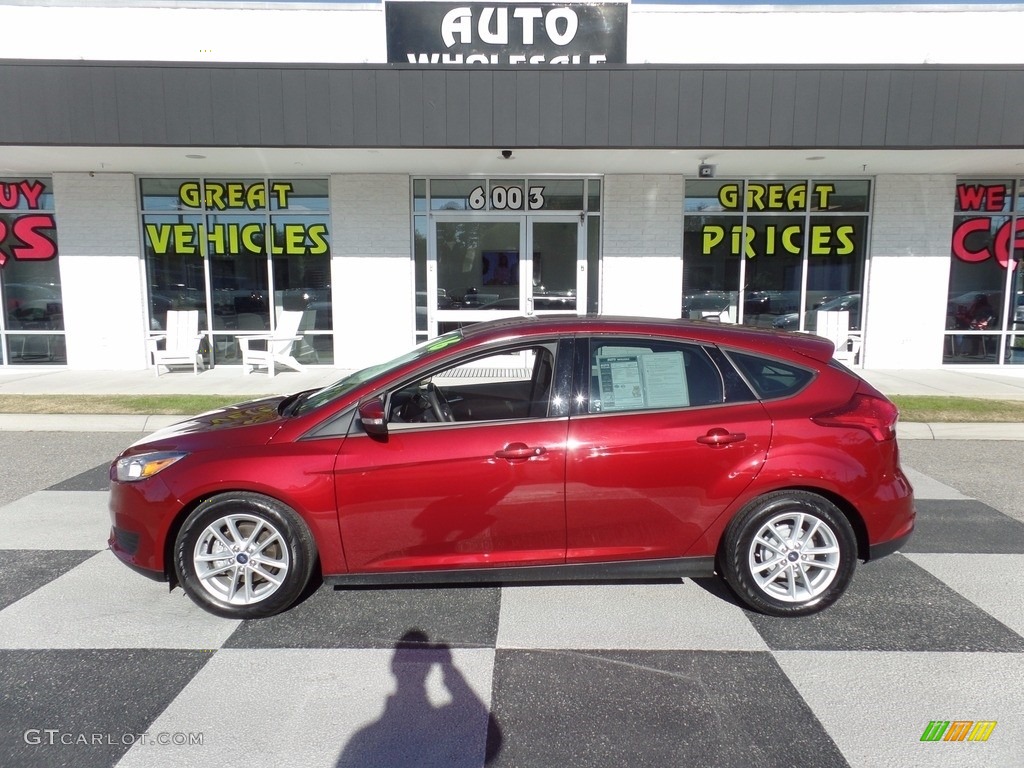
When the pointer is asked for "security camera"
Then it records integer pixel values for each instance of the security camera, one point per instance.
(706, 171)
(506, 153)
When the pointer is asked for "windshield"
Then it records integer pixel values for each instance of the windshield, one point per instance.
(345, 385)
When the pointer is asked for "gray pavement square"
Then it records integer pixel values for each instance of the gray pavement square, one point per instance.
(23, 571)
(893, 605)
(85, 707)
(652, 708)
(964, 526)
(460, 617)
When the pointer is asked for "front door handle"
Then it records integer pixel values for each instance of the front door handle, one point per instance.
(519, 451)
(719, 438)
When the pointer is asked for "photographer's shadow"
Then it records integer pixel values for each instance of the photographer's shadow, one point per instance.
(413, 731)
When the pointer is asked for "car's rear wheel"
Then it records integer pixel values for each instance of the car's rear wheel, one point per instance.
(789, 553)
(243, 556)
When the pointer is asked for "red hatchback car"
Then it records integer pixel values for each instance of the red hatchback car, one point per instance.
(533, 449)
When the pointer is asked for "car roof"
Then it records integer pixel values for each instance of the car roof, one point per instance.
(762, 339)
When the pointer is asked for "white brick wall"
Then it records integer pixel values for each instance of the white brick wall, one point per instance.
(101, 270)
(912, 220)
(372, 276)
(643, 240)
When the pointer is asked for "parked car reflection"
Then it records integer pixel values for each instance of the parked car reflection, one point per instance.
(33, 307)
(848, 302)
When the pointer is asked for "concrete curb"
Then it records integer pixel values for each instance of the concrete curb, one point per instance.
(49, 422)
(52, 422)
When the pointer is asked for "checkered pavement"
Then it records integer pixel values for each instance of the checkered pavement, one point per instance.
(99, 666)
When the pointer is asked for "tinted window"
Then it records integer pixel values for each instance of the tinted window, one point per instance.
(770, 378)
(649, 374)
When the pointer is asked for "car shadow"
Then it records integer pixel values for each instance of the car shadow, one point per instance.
(717, 587)
(413, 730)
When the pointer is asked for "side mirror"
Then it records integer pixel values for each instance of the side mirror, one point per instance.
(371, 414)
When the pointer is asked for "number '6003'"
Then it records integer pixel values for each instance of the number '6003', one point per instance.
(506, 198)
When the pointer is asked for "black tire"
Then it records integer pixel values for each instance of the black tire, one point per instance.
(244, 556)
(772, 571)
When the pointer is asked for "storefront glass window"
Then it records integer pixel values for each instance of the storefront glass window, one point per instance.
(985, 303)
(32, 323)
(469, 257)
(419, 250)
(769, 253)
(175, 270)
(240, 251)
(560, 194)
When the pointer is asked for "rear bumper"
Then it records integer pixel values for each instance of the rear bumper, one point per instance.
(888, 547)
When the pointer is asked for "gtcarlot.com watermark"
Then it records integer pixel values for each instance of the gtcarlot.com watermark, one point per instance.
(55, 736)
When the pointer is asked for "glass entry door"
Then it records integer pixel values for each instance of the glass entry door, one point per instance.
(489, 267)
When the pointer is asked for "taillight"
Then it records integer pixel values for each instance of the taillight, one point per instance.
(874, 415)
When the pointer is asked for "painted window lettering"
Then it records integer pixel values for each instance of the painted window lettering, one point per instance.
(294, 239)
(26, 237)
(13, 193)
(973, 238)
(224, 238)
(773, 197)
(825, 239)
(220, 196)
(31, 238)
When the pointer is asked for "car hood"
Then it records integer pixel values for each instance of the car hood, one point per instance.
(254, 421)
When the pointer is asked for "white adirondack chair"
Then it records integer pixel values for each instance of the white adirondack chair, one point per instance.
(181, 342)
(835, 326)
(278, 346)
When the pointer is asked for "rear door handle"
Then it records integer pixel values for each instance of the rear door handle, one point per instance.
(719, 438)
(514, 451)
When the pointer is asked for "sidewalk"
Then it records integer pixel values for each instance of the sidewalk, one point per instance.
(1005, 384)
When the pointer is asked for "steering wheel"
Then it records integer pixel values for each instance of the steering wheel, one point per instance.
(438, 403)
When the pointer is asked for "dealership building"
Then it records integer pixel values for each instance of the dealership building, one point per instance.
(397, 169)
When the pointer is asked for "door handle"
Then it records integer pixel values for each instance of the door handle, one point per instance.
(514, 451)
(719, 438)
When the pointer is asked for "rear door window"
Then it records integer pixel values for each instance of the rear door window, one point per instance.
(649, 374)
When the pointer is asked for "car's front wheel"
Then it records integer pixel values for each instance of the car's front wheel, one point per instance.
(789, 553)
(243, 556)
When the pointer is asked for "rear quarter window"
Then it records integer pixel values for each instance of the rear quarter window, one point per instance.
(771, 378)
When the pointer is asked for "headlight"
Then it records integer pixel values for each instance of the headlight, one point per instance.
(131, 469)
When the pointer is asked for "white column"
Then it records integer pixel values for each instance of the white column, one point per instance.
(372, 273)
(102, 282)
(642, 268)
(912, 220)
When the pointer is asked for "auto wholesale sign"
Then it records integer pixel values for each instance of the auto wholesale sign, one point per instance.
(506, 33)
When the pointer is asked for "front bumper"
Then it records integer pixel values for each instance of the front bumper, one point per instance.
(141, 516)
